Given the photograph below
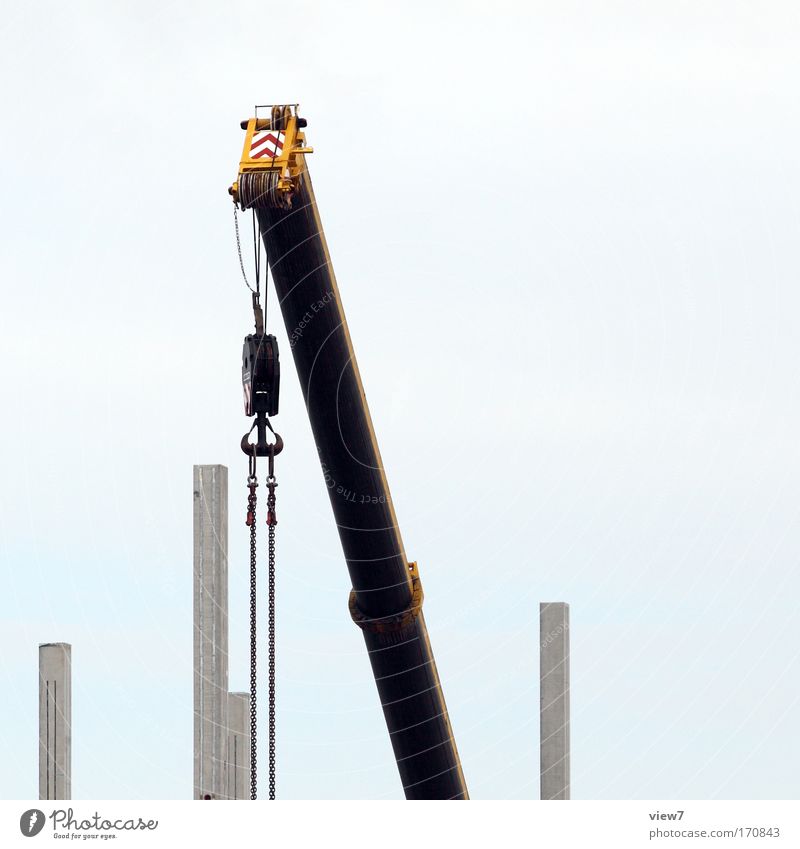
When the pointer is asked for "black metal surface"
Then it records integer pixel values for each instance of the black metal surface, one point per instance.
(402, 661)
(261, 374)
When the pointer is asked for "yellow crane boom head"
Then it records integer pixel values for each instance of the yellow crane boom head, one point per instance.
(272, 158)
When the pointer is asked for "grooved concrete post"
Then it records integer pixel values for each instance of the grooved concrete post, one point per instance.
(554, 700)
(238, 745)
(55, 721)
(210, 631)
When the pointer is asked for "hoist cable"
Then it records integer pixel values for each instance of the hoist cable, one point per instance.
(257, 255)
(272, 521)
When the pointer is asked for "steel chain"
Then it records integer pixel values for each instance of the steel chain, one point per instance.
(252, 483)
(239, 249)
(272, 521)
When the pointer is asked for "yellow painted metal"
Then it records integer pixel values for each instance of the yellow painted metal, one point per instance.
(397, 621)
(289, 163)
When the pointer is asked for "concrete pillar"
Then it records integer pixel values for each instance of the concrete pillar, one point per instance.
(238, 745)
(55, 721)
(210, 631)
(554, 700)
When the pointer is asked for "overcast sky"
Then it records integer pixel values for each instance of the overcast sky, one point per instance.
(566, 240)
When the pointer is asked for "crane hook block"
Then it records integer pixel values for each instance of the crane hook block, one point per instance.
(261, 374)
(272, 160)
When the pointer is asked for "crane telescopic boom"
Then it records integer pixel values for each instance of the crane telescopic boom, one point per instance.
(386, 597)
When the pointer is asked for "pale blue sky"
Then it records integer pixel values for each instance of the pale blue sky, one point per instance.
(566, 238)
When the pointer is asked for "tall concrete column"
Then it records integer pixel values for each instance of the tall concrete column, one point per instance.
(554, 700)
(210, 631)
(238, 745)
(55, 721)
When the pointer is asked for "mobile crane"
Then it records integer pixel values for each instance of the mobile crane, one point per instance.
(386, 597)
